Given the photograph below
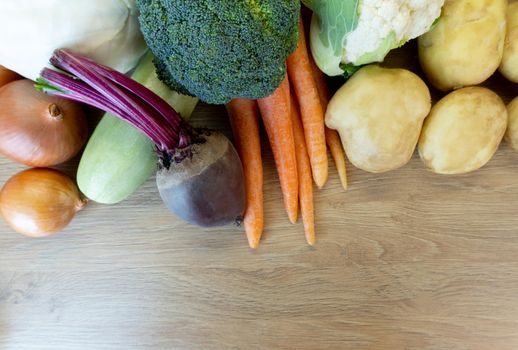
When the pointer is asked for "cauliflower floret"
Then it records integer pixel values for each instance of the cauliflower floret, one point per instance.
(377, 27)
(394, 20)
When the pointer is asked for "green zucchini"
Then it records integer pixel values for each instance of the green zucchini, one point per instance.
(118, 158)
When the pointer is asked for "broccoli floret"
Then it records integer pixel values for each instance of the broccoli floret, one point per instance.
(221, 49)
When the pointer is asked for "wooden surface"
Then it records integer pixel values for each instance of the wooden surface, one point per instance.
(404, 260)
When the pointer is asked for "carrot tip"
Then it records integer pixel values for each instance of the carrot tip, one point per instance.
(320, 185)
(342, 175)
(254, 238)
(253, 245)
(320, 179)
(293, 218)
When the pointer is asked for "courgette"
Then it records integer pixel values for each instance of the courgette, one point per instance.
(118, 158)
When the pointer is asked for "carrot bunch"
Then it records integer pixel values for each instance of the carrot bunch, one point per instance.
(293, 117)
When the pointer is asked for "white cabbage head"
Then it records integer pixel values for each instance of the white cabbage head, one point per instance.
(104, 30)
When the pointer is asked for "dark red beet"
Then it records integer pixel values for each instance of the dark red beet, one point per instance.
(207, 189)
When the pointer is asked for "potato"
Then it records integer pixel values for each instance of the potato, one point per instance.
(379, 113)
(509, 64)
(466, 45)
(511, 134)
(463, 131)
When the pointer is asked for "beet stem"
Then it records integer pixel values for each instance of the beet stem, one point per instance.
(66, 87)
(133, 102)
(153, 99)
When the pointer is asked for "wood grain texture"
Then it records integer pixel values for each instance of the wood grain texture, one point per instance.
(403, 260)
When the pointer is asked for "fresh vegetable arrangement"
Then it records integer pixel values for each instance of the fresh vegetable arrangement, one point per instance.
(107, 172)
(268, 66)
(293, 116)
(199, 173)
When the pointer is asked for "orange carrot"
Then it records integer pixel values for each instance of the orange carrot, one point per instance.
(301, 78)
(332, 137)
(335, 147)
(305, 178)
(244, 118)
(275, 111)
(320, 81)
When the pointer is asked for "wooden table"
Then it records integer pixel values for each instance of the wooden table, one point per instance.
(404, 260)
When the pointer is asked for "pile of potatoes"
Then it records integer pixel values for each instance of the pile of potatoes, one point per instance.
(382, 113)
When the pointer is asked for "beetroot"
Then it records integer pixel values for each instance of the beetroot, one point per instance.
(200, 177)
(206, 189)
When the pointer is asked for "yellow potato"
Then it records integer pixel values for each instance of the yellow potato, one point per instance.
(466, 46)
(379, 113)
(509, 65)
(512, 128)
(463, 131)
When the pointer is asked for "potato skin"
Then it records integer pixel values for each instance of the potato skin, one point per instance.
(466, 46)
(379, 113)
(511, 134)
(463, 131)
(509, 64)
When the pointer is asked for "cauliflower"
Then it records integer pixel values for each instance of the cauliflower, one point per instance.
(349, 33)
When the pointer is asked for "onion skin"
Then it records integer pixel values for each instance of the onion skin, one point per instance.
(39, 130)
(7, 76)
(39, 202)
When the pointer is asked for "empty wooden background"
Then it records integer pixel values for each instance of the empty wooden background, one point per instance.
(404, 260)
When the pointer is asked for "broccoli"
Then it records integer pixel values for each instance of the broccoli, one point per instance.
(218, 50)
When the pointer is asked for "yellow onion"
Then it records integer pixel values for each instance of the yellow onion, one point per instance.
(39, 202)
(37, 129)
(6, 76)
